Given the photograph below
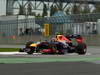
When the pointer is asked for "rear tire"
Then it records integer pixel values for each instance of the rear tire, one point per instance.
(81, 49)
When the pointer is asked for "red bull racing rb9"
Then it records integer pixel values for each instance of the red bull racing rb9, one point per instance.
(59, 44)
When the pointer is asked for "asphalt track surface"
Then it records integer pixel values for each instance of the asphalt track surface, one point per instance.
(37, 64)
(55, 68)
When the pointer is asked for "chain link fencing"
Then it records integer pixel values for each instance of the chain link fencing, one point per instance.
(20, 31)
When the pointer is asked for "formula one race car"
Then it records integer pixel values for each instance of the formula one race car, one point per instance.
(58, 45)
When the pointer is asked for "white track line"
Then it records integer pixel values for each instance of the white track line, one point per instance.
(16, 53)
(77, 54)
(11, 53)
(23, 53)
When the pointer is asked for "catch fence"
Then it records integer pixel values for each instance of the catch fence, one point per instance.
(21, 30)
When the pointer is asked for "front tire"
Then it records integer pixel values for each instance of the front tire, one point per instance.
(29, 51)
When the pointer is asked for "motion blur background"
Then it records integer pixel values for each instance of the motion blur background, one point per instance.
(25, 20)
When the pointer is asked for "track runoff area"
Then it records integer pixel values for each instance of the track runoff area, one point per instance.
(92, 55)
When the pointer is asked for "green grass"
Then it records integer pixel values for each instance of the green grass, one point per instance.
(9, 49)
(47, 59)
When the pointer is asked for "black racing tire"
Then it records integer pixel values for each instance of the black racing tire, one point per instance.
(29, 51)
(81, 49)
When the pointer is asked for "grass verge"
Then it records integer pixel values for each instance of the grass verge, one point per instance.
(9, 49)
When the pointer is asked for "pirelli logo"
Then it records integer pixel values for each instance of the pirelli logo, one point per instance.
(46, 29)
